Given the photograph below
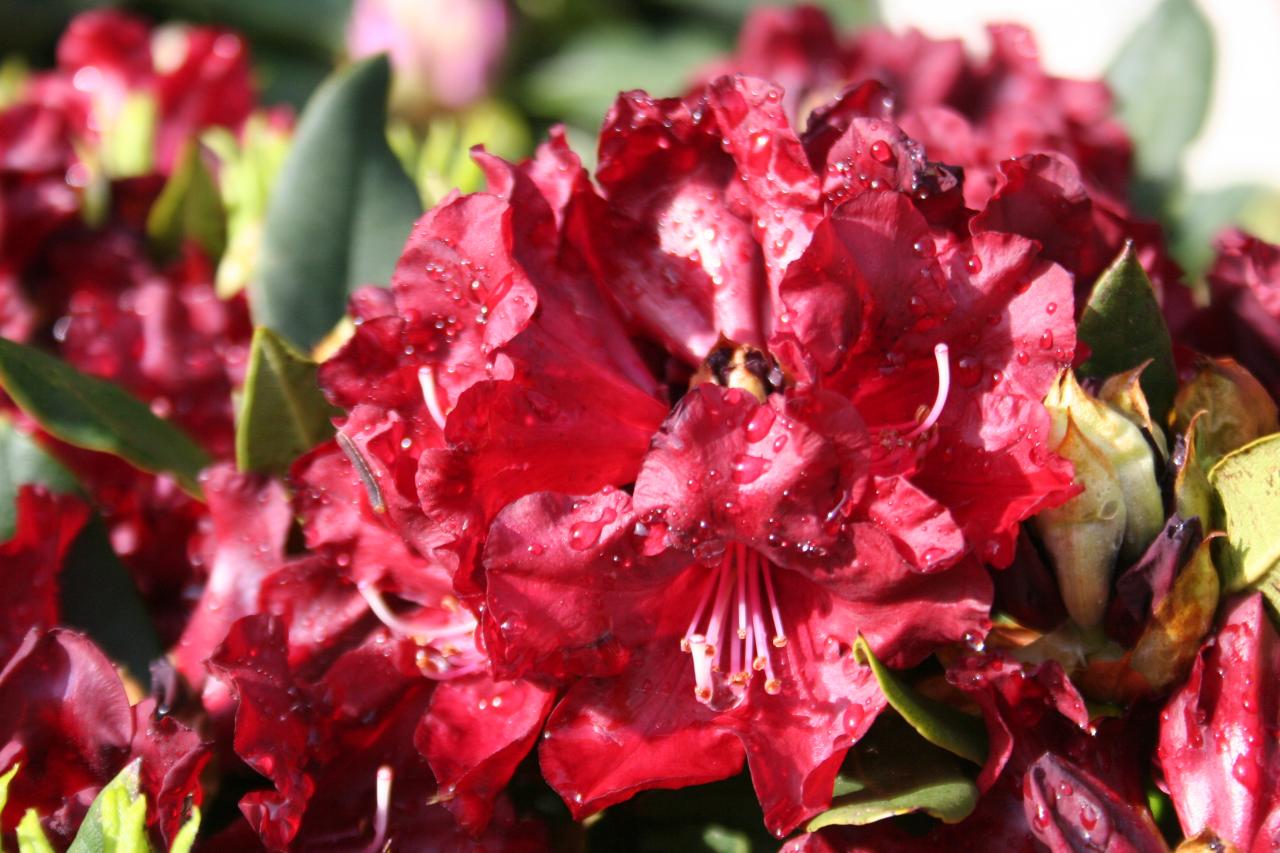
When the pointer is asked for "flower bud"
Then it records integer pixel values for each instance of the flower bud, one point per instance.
(1085, 534)
(1238, 408)
(1126, 451)
(1123, 392)
(443, 52)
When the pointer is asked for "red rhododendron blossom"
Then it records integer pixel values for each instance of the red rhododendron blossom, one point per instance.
(1243, 317)
(1038, 729)
(198, 77)
(46, 525)
(65, 719)
(1218, 744)
(812, 480)
(339, 749)
(976, 115)
(968, 113)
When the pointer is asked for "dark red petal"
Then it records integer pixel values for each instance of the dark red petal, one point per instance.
(474, 734)
(271, 731)
(904, 613)
(726, 468)
(566, 427)
(249, 519)
(47, 524)
(459, 290)
(796, 740)
(569, 591)
(173, 757)
(1142, 586)
(1071, 810)
(65, 718)
(612, 737)
(1218, 744)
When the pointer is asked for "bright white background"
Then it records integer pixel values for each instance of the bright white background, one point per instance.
(1240, 141)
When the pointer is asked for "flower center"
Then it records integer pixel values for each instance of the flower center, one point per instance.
(445, 650)
(730, 627)
(734, 365)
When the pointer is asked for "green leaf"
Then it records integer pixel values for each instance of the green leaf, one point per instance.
(186, 837)
(22, 461)
(97, 595)
(97, 415)
(1123, 327)
(581, 80)
(283, 414)
(4, 792)
(718, 839)
(31, 838)
(937, 723)
(1248, 483)
(892, 772)
(117, 819)
(1199, 216)
(1162, 79)
(340, 212)
(189, 208)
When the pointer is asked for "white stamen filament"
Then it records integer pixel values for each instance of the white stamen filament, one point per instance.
(430, 394)
(734, 610)
(382, 815)
(941, 355)
(445, 652)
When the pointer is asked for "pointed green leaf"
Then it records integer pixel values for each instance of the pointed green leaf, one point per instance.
(31, 837)
(892, 772)
(1122, 325)
(186, 837)
(937, 723)
(189, 208)
(1162, 78)
(117, 819)
(340, 212)
(283, 414)
(1248, 483)
(97, 415)
(22, 461)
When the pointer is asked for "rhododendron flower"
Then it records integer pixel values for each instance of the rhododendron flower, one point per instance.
(1243, 317)
(444, 53)
(835, 367)
(1217, 733)
(66, 721)
(977, 115)
(971, 113)
(190, 78)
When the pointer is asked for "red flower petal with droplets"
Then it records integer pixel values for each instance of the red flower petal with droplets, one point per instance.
(1217, 746)
(46, 526)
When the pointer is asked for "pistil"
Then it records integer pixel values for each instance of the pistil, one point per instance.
(942, 357)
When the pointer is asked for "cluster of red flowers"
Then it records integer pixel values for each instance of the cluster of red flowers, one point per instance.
(649, 476)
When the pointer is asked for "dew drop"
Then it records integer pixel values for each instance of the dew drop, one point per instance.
(1046, 339)
(747, 469)
(973, 265)
(760, 423)
(968, 371)
(881, 151)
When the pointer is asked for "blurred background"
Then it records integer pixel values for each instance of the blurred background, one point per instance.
(502, 71)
